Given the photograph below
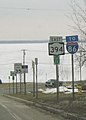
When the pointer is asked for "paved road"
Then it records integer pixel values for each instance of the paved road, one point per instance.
(12, 110)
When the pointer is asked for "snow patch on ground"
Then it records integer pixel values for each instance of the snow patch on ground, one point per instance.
(61, 89)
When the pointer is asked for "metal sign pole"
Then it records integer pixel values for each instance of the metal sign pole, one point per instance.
(72, 75)
(80, 67)
(72, 47)
(25, 83)
(13, 83)
(36, 83)
(36, 62)
(16, 83)
(24, 53)
(24, 71)
(57, 81)
(33, 64)
(9, 84)
(20, 82)
(56, 48)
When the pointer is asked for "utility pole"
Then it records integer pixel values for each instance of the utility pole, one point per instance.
(24, 53)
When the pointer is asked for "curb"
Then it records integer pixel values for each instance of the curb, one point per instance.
(64, 114)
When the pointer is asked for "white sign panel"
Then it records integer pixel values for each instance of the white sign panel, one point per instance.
(12, 73)
(24, 68)
(54, 39)
(56, 48)
(18, 67)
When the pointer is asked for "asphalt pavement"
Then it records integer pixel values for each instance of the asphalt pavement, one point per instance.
(13, 110)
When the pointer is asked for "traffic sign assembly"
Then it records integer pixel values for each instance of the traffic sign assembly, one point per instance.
(56, 48)
(72, 47)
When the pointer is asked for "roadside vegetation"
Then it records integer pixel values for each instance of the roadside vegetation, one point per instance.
(66, 102)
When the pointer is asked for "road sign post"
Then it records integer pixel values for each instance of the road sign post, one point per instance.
(18, 70)
(57, 83)
(72, 76)
(13, 83)
(13, 73)
(9, 83)
(16, 84)
(33, 67)
(24, 70)
(72, 47)
(36, 63)
(56, 48)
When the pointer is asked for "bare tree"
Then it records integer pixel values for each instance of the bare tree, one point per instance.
(79, 19)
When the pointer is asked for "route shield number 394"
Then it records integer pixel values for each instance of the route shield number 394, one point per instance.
(56, 48)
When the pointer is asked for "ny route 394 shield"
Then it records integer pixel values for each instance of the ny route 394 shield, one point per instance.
(56, 48)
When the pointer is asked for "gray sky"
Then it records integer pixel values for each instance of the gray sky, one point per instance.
(44, 18)
(34, 19)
